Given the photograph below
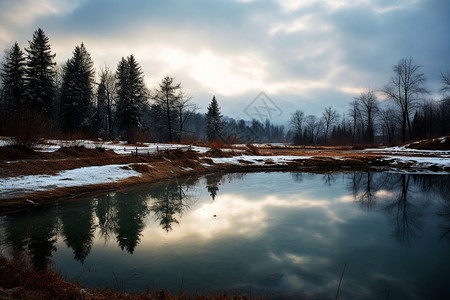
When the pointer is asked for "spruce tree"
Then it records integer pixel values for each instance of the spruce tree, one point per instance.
(39, 74)
(77, 90)
(214, 125)
(132, 95)
(12, 76)
(101, 116)
(166, 98)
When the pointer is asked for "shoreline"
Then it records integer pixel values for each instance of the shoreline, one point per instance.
(177, 163)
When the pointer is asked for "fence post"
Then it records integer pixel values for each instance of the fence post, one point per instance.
(136, 152)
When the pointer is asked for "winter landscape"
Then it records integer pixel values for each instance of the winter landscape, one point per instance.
(228, 150)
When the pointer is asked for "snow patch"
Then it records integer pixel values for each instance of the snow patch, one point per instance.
(11, 186)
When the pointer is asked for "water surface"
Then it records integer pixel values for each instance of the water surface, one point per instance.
(276, 234)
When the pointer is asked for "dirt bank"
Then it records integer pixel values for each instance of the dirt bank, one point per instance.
(169, 164)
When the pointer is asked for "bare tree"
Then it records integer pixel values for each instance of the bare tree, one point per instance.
(296, 125)
(313, 126)
(185, 109)
(446, 82)
(389, 117)
(329, 117)
(106, 99)
(404, 89)
(355, 114)
(368, 107)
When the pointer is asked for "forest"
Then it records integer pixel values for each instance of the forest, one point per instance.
(39, 98)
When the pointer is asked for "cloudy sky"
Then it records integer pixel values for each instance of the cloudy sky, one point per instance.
(302, 54)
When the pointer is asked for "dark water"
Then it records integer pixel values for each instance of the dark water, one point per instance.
(277, 234)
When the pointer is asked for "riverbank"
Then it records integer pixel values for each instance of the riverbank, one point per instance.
(69, 171)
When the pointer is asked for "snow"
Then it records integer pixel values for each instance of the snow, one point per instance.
(419, 162)
(118, 147)
(11, 186)
(257, 160)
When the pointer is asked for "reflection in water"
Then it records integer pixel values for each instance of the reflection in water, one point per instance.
(212, 184)
(170, 201)
(78, 228)
(403, 201)
(106, 213)
(314, 212)
(130, 220)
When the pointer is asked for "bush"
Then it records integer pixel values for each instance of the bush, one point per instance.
(27, 128)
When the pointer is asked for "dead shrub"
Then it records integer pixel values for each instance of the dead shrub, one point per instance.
(14, 153)
(253, 149)
(142, 168)
(27, 128)
(134, 135)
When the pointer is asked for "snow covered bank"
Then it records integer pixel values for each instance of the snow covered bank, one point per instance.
(419, 162)
(257, 160)
(117, 147)
(12, 186)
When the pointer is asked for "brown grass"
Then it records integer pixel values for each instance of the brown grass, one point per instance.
(142, 168)
(431, 144)
(253, 150)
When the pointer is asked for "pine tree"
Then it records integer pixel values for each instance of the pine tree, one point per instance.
(132, 95)
(12, 76)
(101, 116)
(174, 106)
(214, 125)
(77, 90)
(39, 74)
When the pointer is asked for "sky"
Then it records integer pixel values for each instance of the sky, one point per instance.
(260, 58)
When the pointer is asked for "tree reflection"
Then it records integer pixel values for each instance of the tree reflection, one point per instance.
(169, 201)
(407, 216)
(212, 184)
(401, 196)
(363, 189)
(78, 228)
(129, 222)
(328, 178)
(34, 238)
(106, 212)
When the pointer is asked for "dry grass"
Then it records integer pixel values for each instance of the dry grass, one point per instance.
(431, 144)
(253, 150)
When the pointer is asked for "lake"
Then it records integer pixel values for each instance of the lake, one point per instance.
(279, 234)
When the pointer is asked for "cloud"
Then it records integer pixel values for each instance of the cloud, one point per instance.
(16, 14)
(308, 54)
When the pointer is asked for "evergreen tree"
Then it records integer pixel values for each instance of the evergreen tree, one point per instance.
(166, 98)
(214, 125)
(174, 106)
(77, 90)
(12, 76)
(132, 95)
(39, 74)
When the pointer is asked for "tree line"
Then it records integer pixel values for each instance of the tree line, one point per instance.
(404, 114)
(34, 90)
(119, 105)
